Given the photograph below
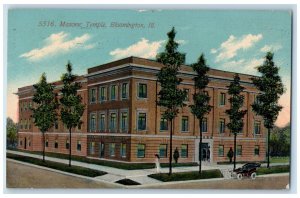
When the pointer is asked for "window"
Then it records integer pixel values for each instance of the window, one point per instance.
(25, 106)
(239, 150)
(113, 92)
(222, 126)
(47, 143)
(29, 123)
(256, 150)
(56, 144)
(221, 151)
(29, 143)
(256, 99)
(21, 106)
(67, 144)
(204, 125)
(142, 121)
(25, 124)
(92, 147)
(187, 97)
(56, 125)
(141, 150)
(102, 122)
(163, 150)
(185, 123)
(123, 150)
(142, 93)
(205, 93)
(124, 121)
(92, 122)
(124, 90)
(92, 95)
(256, 127)
(163, 124)
(184, 150)
(102, 93)
(113, 122)
(78, 145)
(112, 149)
(21, 124)
(222, 99)
(21, 142)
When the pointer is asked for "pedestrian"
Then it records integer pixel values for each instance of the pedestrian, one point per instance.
(230, 155)
(176, 155)
(157, 164)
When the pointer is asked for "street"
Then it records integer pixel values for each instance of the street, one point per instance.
(24, 176)
(266, 183)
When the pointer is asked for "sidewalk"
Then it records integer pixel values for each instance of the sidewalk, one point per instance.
(140, 176)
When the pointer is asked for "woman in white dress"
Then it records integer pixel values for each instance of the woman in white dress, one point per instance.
(157, 165)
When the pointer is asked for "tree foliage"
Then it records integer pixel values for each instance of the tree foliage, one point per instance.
(11, 132)
(271, 88)
(170, 96)
(236, 102)
(44, 113)
(201, 105)
(71, 105)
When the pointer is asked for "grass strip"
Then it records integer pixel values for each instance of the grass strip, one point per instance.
(127, 182)
(273, 169)
(120, 165)
(58, 166)
(183, 176)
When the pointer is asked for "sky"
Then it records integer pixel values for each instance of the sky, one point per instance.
(44, 40)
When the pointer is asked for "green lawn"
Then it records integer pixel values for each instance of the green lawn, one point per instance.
(58, 166)
(183, 176)
(279, 159)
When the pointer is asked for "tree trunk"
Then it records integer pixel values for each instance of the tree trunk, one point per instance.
(44, 146)
(70, 147)
(200, 146)
(234, 152)
(170, 157)
(268, 149)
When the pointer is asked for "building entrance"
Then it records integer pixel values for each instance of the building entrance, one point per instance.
(205, 152)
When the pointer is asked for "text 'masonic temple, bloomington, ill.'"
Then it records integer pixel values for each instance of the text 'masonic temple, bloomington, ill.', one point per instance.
(122, 122)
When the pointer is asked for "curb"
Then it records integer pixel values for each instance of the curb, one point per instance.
(65, 173)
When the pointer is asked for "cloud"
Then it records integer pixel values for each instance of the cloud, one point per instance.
(56, 44)
(272, 48)
(229, 48)
(243, 66)
(143, 48)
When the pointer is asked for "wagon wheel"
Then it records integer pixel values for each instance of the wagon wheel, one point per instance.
(253, 175)
(239, 176)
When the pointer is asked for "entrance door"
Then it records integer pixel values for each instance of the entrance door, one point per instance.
(205, 152)
(101, 150)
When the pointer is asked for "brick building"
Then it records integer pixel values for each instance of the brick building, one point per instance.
(122, 121)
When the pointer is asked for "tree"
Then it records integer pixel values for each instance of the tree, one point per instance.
(11, 132)
(170, 96)
(235, 114)
(71, 105)
(280, 141)
(271, 88)
(44, 114)
(201, 105)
